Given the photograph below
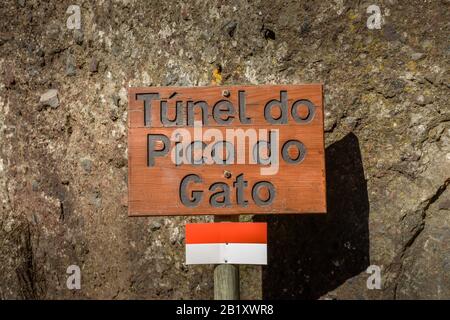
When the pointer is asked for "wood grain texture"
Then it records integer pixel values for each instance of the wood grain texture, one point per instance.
(300, 188)
(226, 282)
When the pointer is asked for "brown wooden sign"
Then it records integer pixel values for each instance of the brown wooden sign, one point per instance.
(226, 150)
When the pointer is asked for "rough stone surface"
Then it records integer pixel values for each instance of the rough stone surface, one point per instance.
(63, 179)
(50, 99)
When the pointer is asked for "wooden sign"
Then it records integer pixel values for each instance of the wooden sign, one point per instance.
(226, 150)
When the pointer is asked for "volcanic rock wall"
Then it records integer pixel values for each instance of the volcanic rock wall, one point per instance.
(63, 144)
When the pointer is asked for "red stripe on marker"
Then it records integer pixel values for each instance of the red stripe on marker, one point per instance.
(226, 232)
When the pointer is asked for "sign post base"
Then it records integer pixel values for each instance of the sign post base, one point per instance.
(226, 276)
(226, 282)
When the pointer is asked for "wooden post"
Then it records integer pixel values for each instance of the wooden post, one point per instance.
(226, 282)
(226, 276)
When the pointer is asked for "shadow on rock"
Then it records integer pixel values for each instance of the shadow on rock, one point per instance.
(310, 255)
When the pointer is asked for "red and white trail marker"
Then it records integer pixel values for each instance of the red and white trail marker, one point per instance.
(226, 242)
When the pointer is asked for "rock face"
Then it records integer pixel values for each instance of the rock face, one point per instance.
(50, 99)
(63, 172)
